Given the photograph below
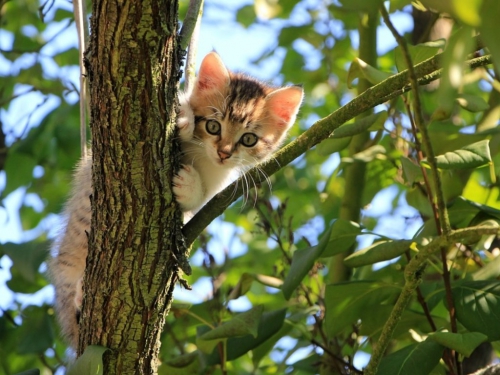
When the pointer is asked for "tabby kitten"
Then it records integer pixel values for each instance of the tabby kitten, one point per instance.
(228, 124)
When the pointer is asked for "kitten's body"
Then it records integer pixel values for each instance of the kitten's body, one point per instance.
(228, 124)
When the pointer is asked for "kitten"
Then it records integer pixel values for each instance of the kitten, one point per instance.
(238, 122)
(228, 124)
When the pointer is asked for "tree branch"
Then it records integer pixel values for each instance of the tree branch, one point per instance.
(189, 23)
(192, 48)
(393, 86)
(413, 275)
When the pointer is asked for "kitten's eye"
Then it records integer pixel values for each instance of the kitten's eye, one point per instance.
(213, 127)
(249, 139)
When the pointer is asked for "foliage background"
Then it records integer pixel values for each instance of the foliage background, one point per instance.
(243, 258)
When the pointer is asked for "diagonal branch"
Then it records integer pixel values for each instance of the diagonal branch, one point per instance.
(393, 86)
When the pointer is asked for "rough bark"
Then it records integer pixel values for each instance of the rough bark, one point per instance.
(134, 66)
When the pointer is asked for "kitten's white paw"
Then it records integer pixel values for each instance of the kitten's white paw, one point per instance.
(188, 189)
(185, 118)
(78, 294)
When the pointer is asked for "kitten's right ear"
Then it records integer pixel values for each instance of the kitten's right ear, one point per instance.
(213, 75)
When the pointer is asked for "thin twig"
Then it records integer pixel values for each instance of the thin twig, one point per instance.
(82, 31)
(419, 122)
(443, 225)
(189, 23)
(191, 54)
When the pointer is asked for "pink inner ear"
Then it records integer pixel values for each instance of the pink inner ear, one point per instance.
(213, 74)
(285, 103)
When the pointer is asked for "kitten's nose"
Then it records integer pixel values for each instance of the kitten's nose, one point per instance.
(223, 155)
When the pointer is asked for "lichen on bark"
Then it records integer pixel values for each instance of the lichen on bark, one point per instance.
(133, 64)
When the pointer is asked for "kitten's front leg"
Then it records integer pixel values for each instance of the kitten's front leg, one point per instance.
(185, 118)
(188, 188)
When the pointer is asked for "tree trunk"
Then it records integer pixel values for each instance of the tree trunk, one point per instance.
(134, 66)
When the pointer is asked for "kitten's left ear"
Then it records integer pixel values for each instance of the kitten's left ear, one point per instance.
(284, 104)
(213, 75)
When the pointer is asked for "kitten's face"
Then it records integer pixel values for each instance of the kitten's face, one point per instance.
(239, 120)
(234, 125)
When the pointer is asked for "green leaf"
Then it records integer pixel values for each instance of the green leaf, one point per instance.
(378, 252)
(19, 170)
(246, 15)
(477, 305)
(336, 239)
(361, 5)
(34, 371)
(418, 53)
(489, 27)
(472, 103)
(459, 45)
(309, 365)
(471, 156)
(269, 324)
(187, 364)
(346, 302)
(266, 9)
(468, 11)
(418, 359)
(342, 237)
(240, 325)
(90, 362)
(357, 127)
(412, 171)
(242, 287)
(36, 333)
(27, 257)
(68, 57)
(464, 343)
(367, 155)
(331, 145)
(360, 69)
(62, 14)
(490, 271)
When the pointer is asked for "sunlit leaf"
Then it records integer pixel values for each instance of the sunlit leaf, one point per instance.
(418, 53)
(471, 156)
(246, 15)
(360, 69)
(459, 46)
(472, 103)
(464, 343)
(417, 359)
(361, 5)
(367, 155)
(331, 145)
(240, 325)
(269, 324)
(90, 362)
(267, 9)
(242, 287)
(335, 240)
(412, 172)
(375, 120)
(342, 236)
(477, 305)
(378, 252)
(489, 25)
(345, 302)
(186, 364)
